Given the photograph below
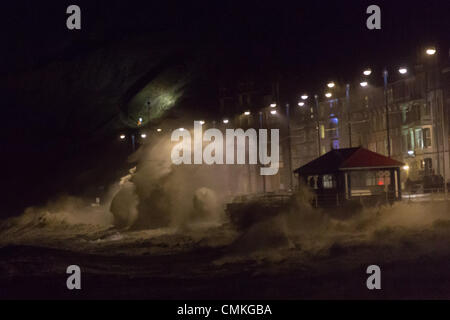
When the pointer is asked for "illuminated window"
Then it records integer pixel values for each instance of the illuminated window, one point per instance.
(419, 138)
(328, 181)
(411, 140)
(322, 131)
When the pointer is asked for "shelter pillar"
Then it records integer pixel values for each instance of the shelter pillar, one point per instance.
(346, 183)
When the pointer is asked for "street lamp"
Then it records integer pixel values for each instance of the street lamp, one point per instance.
(328, 94)
(363, 84)
(143, 136)
(273, 112)
(304, 97)
(122, 137)
(367, 72)
(301, 104)
(430, 51)
(247, 113)
(159, 130)
(273, 105)
(331, 84)
(202, 122)
(403, 70)
(225, 121)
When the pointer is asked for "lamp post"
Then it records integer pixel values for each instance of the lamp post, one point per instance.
(260, 127)
(347, 96)
(288, 116)
(316, 98)
(386, 102)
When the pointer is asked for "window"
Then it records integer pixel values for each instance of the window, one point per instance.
(427, 109)
(335, 144)
(322, 131)
(426, 137)
(404, 110)
(416, 112)
(419, 138)
(428, 166)
(405, 141)
(312, 182)
(329, 181)
(361, 179)
(410, 139)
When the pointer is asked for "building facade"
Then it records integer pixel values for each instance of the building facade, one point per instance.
(407, 119)
(415, 109)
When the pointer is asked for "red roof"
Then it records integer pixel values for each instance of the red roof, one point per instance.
(347, 159)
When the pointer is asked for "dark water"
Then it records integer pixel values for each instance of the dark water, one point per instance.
(304, 256)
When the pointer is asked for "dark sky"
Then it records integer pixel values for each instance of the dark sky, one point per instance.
(307, 41)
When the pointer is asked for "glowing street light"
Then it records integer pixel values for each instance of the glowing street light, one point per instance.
(143, 136)
(301, 104)
(273, 112)
(430, 51)
(159, 130)
(406, 167)
(304, 97)
(225, 121)
(273, 105)
(202, 122)
(122, 137)
(247, 113)
(331, 84)
(328, 94)
(367, 72)
(403, 70)
(363, 84)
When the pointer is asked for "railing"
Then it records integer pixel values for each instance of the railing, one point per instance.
(339, 199)
(264, 197)
(424, 195)
(364, 198)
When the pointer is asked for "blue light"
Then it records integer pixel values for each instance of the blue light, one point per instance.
(335, 120)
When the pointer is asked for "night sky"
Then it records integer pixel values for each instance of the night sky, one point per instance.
(306, 41)
(303, 43)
